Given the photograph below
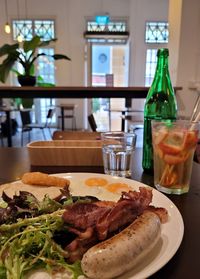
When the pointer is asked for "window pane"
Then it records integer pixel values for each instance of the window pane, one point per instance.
(23, 28)
(44, 29)
(46, 67)
(46, 70)
(151, 61)
(156, 32)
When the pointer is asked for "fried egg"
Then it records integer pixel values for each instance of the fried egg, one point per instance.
(118, 187)
(96, 182)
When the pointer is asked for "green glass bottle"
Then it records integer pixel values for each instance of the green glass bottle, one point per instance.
(160, 104)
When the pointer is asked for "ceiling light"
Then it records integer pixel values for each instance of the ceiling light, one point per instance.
(7, 28)
(20, 38)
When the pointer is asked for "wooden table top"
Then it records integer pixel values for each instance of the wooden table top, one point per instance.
(185, 264)
(75, 92)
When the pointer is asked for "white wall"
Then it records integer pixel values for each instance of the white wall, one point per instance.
(70, 18)
(185, 48)
(140, 12)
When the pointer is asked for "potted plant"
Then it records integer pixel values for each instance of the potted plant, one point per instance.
(26, 54)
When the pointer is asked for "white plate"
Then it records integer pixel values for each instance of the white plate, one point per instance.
(172, 231)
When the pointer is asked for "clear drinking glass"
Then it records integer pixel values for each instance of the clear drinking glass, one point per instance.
(118, 148)
(174, 143)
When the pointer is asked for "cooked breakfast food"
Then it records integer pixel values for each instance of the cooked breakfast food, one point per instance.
(77, 235)
(124, 250)
(94, 181)
(43, 179)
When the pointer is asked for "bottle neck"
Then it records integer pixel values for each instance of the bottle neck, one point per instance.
(162, 64)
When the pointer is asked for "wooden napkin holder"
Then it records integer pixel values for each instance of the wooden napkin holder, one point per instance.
(65, 153)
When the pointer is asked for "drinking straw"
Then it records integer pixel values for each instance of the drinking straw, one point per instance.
(197, 119)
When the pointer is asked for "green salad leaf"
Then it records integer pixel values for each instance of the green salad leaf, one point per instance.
(28, 245)
(2, 272)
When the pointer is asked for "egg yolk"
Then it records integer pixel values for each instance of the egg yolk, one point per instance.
(118, 187)
(94, 181)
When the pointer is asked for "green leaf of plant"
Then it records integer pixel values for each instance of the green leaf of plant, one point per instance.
(40, 79)
(45, 84)
(16, 72)
(32, 70)
(32, 45)
(8, 49)
(42, 83)
(60, 56)
(6, 67)
(46, 43)
(17, 102)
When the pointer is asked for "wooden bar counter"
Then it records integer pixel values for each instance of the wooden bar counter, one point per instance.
(74, 92)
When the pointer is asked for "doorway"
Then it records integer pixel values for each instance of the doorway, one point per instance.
(109, 67)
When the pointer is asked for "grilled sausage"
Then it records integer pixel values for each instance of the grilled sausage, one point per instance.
(123, 251)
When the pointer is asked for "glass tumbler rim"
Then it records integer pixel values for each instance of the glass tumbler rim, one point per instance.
(117, 134)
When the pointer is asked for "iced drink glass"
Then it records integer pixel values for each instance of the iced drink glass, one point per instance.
(118, 148)
(174, 143)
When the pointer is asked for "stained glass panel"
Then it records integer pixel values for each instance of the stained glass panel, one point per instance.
(120, 26)
(112, 32)
(23, 28)
(28, 28)
(45, 29)
(156, 32)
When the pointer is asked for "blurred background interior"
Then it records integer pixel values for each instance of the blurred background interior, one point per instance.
(110, 43)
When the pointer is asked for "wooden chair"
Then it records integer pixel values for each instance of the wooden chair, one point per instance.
(134, 121)
(79, 135)
(1, 121)
(27, 124)
(1, 138)
(68, 112)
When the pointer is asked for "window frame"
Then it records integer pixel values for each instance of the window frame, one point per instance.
(150, 46)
